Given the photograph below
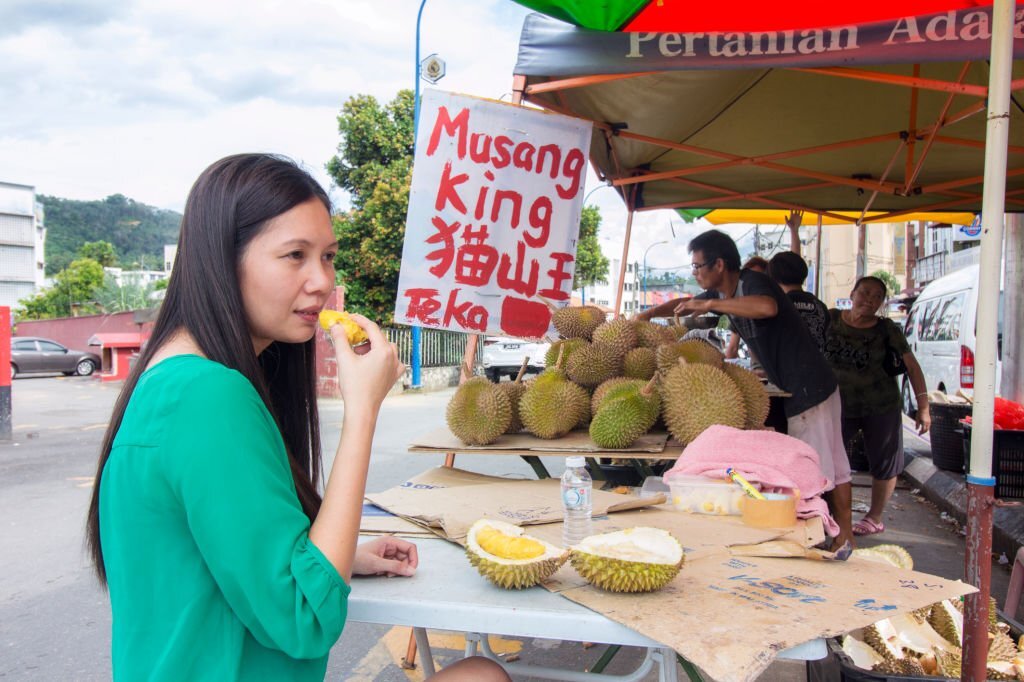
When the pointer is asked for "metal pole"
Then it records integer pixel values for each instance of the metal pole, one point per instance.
(414, 352)
(817, 261)
(622, 266)
(1012, 385)
(6, 432)
(980, 483)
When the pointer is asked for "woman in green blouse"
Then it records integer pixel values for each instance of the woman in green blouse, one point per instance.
(222, 560)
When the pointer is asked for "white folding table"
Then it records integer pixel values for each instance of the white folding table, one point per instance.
(447, 593)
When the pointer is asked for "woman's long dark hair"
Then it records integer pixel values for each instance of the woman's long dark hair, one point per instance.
(228, 206)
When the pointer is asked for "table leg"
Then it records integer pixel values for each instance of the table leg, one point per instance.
(690, 669)
(409, 662)
(642, 468)
(606, 658)
(426, 655)
(596, 472)
(538, 466)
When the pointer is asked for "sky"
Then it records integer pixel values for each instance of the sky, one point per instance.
(138, 96)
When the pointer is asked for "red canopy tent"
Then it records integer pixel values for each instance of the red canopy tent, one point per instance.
(749, 105)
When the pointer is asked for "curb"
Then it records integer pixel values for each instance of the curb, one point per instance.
(947, 490)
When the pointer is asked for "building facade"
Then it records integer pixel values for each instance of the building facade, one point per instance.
(22, 236)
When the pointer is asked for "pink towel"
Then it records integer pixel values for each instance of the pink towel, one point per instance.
(780, 463)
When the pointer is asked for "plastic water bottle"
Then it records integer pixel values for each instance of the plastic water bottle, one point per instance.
(577, 504)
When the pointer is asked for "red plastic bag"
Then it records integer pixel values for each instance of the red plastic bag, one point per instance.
(1008, 415)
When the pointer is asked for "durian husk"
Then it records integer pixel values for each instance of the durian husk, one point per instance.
(564, 348)
(616, 574)
(1001, 647)
(621, 421)
(651, 335)
(479, 412)
(552, 405)
(512, 573)
(612, 389)
(947, 621)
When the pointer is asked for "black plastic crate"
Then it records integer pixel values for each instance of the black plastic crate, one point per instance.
(947, 435)
(1007, 461)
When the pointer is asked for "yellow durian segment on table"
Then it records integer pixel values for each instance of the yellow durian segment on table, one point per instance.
(508, 546)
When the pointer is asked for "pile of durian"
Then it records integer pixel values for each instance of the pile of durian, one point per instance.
(618, 378)
(928, 641)
(633, 560)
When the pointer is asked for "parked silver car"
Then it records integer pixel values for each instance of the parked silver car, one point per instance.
(503, 355)
(34, 355)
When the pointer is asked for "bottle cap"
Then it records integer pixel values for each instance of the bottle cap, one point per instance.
(575, 461)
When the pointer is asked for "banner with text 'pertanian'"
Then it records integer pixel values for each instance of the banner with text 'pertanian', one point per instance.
(494, 212)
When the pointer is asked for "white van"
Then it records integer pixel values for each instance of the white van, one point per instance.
(941, 330)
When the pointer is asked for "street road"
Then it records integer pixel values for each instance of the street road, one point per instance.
(55, 620)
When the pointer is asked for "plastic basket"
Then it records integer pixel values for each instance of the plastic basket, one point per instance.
(1007, 460)
(947, 435)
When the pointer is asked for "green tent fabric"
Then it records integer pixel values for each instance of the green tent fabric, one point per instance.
(691, 214)
(601, 15)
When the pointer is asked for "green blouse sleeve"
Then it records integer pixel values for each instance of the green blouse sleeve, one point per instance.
(233, 479)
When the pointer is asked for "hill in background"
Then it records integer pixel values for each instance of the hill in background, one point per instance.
(138, 232)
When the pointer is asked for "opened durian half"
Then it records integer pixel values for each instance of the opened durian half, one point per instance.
(632, 560)
(509, 558)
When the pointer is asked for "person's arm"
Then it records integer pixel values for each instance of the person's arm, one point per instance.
(753, 307)
(662, 310)
(923, 418)
(733, 349)
(793, 222)
(365, 382)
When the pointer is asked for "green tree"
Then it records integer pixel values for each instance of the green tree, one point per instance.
(591, 264)
(102, 252)
(73, 292)
(112, 297)
(374, 165)
(892, 284)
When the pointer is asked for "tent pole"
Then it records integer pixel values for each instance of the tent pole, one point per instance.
(622, 265)
(1012, 386)
(980, 483)
(817, 260)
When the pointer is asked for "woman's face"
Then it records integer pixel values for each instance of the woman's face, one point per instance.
(867, 298)
(286, 275)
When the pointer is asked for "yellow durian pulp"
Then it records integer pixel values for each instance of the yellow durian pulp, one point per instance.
(508, 546)
(355, 333)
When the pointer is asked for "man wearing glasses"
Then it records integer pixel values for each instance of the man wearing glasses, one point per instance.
(766, 320)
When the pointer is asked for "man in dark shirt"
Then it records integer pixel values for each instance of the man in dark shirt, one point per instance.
(789, 271)
(769, 324)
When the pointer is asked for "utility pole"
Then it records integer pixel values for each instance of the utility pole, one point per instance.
(1012, 380)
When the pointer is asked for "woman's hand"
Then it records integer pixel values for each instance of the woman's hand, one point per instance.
(366, 375)
(923, 418)
(385, 555)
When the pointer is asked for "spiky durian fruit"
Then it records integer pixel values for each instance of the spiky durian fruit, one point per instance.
(622, 420)
(507, 557)
(920, 638)
(514, 390)
(949, 663)
(992, 610)
(577, 322)
(651, 335)
(632, 560)
(862, 655)
(639, 364)
(619, 334)
(904, 666)
(883, 638)
(947, 621)
(695, 396)
(755, 398)
(565, 347)
(691, 350)
(552, 405)
(611, 389)
(1001, 647)
(1000, 670)
(479, 412)
(592, 364)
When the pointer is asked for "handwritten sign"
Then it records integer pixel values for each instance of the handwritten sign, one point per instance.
(493, 219)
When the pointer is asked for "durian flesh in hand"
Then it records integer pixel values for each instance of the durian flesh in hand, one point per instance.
(509, 558)
(632, 560)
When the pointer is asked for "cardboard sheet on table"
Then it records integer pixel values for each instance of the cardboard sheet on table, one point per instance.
(449, 501)
(377, 521)
(442, 440)
(731, 616)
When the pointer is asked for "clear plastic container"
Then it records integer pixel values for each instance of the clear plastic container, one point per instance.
(702, 495)
(577, 502)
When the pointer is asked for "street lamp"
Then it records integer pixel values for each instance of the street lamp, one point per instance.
(643, 306)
